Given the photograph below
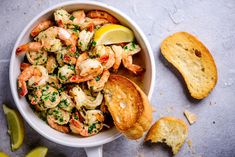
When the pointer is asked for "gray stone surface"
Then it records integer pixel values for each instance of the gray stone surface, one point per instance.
(213, 135)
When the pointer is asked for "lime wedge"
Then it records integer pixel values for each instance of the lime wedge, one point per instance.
(2, 154)
(38, 152)
(113, 34)
(15, 127)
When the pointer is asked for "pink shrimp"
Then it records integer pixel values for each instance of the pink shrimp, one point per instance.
(30, 46)
(118, 51)
(127, 61)
(41, 27)
(60, 128)
(102, 15)
(23, 66)
(36, 74)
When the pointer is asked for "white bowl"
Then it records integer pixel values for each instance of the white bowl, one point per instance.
(23, 106)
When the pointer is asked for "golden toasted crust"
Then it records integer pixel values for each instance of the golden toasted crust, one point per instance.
(128, 106)
(169, 130)
(194, 62)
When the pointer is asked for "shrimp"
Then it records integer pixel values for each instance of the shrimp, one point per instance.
(96, 22)
(93, 123)
(30, 46)
(87, 70)
(65, 73)
(51, 64)
(105, 55)
(52, 37)
(24, 66)
(127, 61)
(98, 83)
(63, 56)
(50, 96)
(36, 58)
(132, 48)
(57, 118)
(102, 15)
(118, 51)
(35, 75)
(53, 81)
(84, 39)
(81, 99)
(66, 102)
(64, 19)
(41, 27)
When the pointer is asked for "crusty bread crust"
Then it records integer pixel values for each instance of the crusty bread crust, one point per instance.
(169, 130)
(193, 60)
(128, 106)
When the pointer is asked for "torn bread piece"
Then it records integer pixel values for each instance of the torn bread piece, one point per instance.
(128, 106)
(169, 130)
(191, 117)
(193, 60)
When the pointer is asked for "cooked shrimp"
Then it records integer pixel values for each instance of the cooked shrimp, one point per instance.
(92, 125)
(105, 55)
(36, 58)
(118, 51)
(87, 70)
(78, 17)
(132, 48)
(84, 39)
(57, 118)
(127, 61)
(64, 19)
(102, 15)
(97, 84)
(65, 73)
(30, 46)
(64, 56)
(96, 22)
(51, 64)
(81, 99)
(35, 75)
(81, 58)
(24, 66)
(53, 81)
(50, 96)
(51, 38)
(66, 102)
(41, 27)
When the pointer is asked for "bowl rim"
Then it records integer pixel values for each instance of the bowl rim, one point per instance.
(29, 25)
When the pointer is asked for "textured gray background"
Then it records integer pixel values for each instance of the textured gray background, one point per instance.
(213, 135)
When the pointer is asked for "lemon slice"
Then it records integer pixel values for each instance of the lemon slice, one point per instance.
(15, 127)
(2, 154)
(38, 152)
(113, 34)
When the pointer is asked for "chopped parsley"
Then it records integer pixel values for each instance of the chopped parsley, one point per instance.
(72, 18)
(90, 129)
(80, 43)
(93, 43)
(98, 78)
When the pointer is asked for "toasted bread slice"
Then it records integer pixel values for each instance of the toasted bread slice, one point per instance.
(169, 130)
(194, 62)
(128, 106)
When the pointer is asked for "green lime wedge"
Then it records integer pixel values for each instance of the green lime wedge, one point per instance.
(38, 152)
(2, 154)
(15, 127)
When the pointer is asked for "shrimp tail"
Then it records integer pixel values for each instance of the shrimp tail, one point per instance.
(41, 27)
(31, 46)
(22, 88)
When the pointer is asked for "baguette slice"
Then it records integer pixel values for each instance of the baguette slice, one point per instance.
(128, 106)
(169, 130)
(193, 60)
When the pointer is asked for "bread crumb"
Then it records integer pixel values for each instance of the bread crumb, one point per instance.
(190, 143)
(191, 117)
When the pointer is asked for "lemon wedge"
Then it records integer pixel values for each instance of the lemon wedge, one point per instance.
(113, 34)
(15, 127)
(38, 152)
(2, 154)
